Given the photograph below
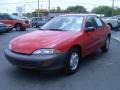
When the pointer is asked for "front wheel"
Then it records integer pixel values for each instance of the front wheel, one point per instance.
(72, 62)
(105, 48)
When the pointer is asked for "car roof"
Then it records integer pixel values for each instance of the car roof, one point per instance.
(36, 17)
(81, 14)
(4, 14)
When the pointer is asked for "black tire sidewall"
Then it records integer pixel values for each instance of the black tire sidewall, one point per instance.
(104, 48)
(20, 29)
(67, 68)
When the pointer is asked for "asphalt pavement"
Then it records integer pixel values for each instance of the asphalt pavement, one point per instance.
(116, 35)
(99, 71)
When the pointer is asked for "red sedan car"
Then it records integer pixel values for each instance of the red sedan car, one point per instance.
(60, 44)
(14, 21)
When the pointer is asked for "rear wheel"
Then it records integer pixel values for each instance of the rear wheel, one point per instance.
(18, 27)
(105, 48)
(72, 62)
(110, 26)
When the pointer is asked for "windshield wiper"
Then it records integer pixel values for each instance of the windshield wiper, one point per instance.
(41, 29)
(51, 29)
(56, 29)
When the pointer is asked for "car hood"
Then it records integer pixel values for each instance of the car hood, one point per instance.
(30, 42)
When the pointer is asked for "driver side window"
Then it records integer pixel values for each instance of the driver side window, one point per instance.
(90, 22)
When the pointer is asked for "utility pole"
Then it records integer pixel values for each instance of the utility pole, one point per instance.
(113, 5)
(7, 10)
(41, 6)
(38, 8)
(48, 8)
(24, 10)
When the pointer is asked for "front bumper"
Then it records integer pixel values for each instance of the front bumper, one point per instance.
(43, 62)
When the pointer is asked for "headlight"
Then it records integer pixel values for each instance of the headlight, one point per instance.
(46, 51)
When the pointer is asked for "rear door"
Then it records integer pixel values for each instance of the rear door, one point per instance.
(100, 31)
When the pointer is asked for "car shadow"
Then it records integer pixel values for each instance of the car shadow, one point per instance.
(91, 58)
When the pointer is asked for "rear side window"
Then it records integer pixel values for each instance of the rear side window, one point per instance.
(98, 22)
(1, 17)
(4, 17)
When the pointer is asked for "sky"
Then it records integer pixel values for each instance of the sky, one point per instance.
(9, 6)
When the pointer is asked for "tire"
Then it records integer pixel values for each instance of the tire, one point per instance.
(18, 27)
(111, 28)
(106, 46)
(70, 66)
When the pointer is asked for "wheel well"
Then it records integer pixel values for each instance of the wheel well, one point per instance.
(109, 35)
(17, 24)
(110, 25)
(78, 47)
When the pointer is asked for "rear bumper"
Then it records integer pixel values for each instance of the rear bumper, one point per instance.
(43, 62)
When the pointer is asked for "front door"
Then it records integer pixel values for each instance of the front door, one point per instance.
(89, 37)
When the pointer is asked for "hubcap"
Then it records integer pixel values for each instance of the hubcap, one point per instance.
(74, 61)
(107, 43)
(18, 27)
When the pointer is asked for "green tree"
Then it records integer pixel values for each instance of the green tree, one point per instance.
(58, 9)
(29, 15)
(106, 10)
(76, 9)
(117, 11)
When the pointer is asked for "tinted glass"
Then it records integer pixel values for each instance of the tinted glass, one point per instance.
(2, 17)
(90, 22)
(5, 17)
(37, 19)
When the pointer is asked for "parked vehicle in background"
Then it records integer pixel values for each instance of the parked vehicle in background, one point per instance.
(38, 21)
(5, 28)
(60, 44)
(26, 20)
(113, 22)
(14, 21)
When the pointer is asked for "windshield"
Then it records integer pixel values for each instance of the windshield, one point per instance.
(14, 17)
(65, 23)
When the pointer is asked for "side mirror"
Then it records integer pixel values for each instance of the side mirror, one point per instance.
(90, 29)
